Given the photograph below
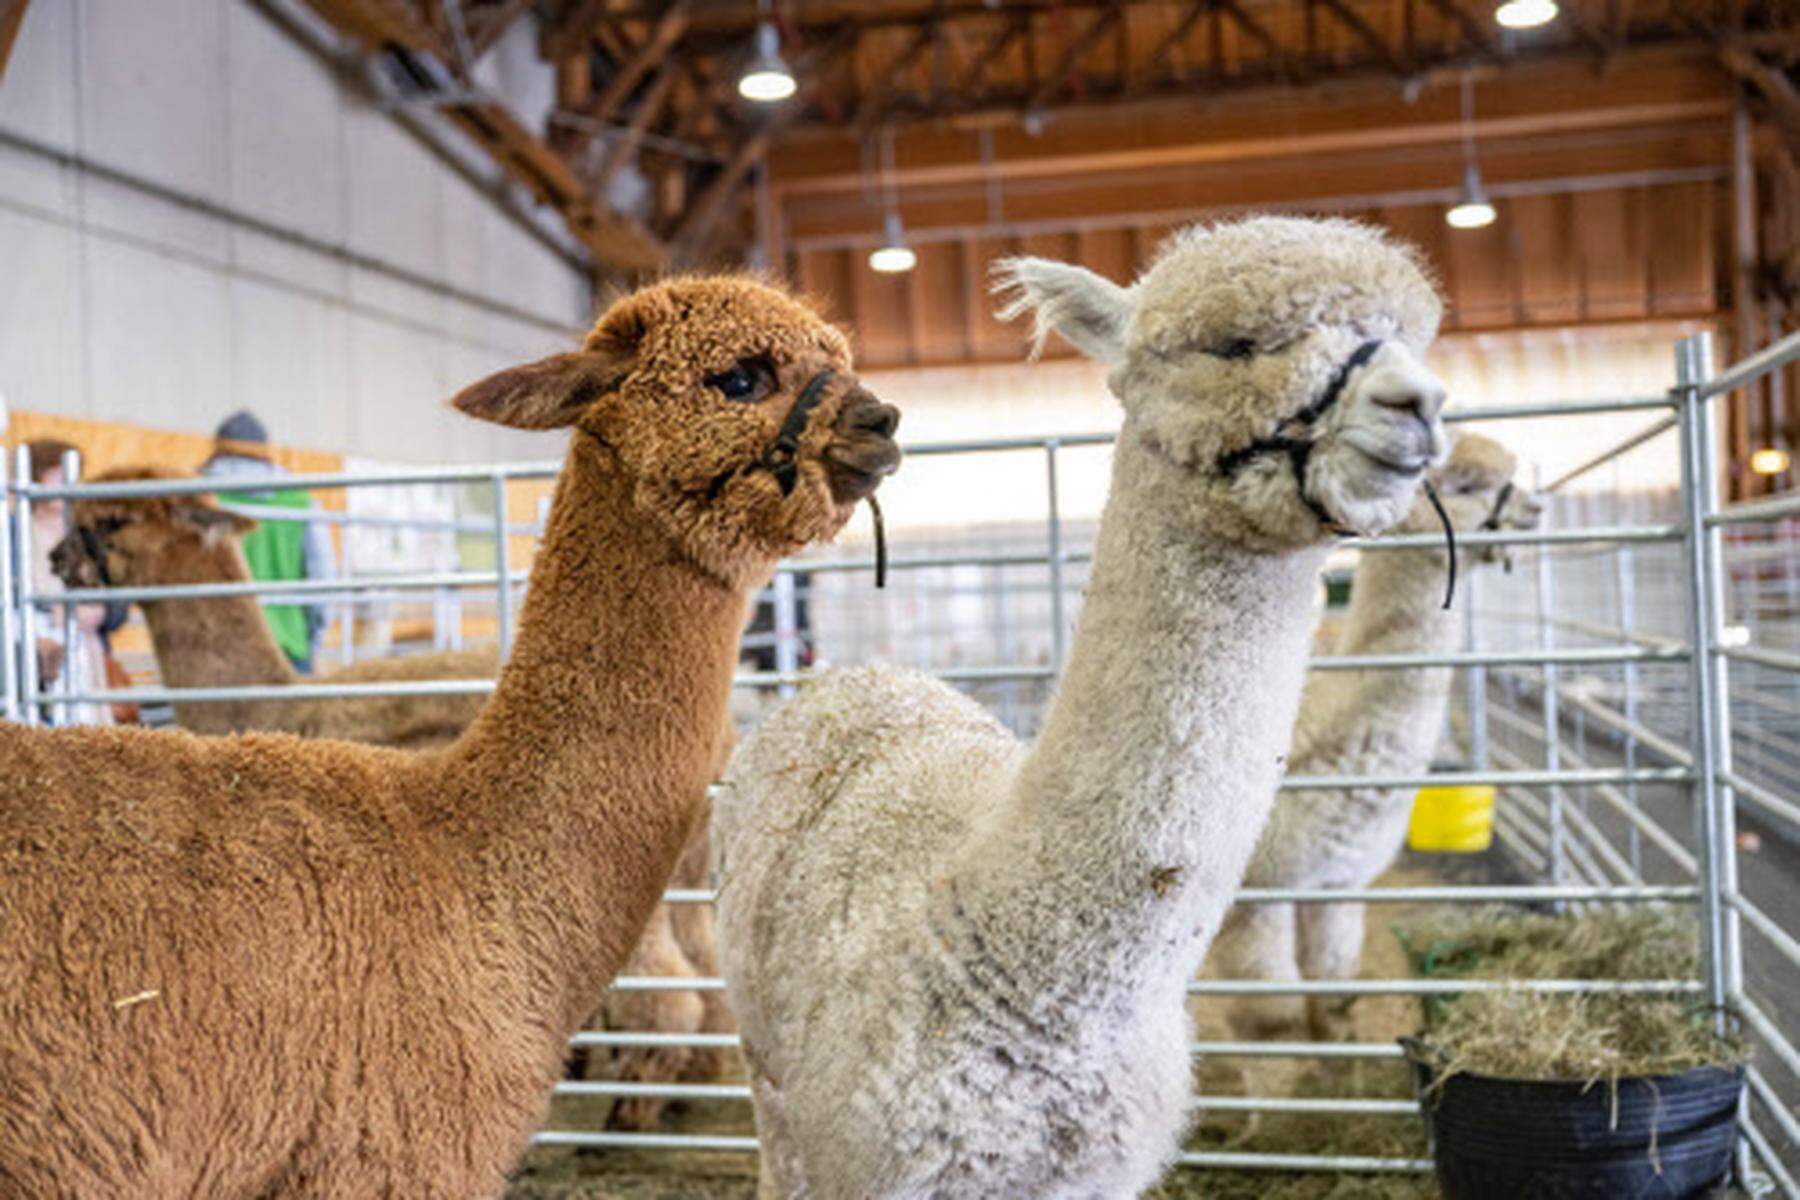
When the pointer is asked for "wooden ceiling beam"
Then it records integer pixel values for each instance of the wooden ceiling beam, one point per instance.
(570, 136)
(1192, 17)
(1060, 76)
(12, 19)
(997, 45)
(875, 104)
(622, 147)
(1473, 31)
(1378, 45)
(572, 29)
(1776, 90)
(494, 23)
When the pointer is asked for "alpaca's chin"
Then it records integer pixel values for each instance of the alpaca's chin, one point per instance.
(1366, 494)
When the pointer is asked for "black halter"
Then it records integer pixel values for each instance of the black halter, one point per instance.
(1299, 450)
(1492, 524)
(782, 459)
(95, 549)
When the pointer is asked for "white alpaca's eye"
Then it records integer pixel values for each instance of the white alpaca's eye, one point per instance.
(1235, 348)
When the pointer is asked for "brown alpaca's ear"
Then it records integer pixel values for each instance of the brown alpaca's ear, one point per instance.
(546, 394)
(213, 523)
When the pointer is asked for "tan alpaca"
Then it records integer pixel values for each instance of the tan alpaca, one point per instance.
(265, 966)
(223, 641)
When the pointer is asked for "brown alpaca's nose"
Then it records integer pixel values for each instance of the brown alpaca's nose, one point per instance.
(65, 560)
(863, 451)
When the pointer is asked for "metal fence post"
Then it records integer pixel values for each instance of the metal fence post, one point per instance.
(1058, 633)
(1625, 594)
(1546, 640)
(787, 633)
(9, 646)
(1712, 820)
(28, 672)
(502, 568)
(1474, 681)
(72, 647)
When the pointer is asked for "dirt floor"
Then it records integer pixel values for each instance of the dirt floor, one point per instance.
(562, 1174)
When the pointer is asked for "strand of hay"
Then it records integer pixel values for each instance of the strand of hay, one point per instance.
(1587, 1037)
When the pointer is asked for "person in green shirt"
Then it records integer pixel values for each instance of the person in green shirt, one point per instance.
(275, 550)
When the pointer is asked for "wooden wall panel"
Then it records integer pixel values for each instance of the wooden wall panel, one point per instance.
(1548, 265)
(1683, 260)
(1478, 281)
(994, 340)
(1615, 282)
(940, 302)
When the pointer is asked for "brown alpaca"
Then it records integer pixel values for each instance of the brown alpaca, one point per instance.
(223, 641)
(265, 966)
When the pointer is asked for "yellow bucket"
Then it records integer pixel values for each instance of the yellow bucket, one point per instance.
(1452, 820)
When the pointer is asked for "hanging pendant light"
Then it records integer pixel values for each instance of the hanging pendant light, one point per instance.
(1474, 210)
(768, 80)
(893, 256)
(1525, 14)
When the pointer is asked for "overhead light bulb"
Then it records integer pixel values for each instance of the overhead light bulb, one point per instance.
(893, 256)
(768, 80)
(1473, 211)
(1770, 460)
(1525, 14)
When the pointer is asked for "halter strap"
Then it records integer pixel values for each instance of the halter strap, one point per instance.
(781, 459)
(1299, 450)
(95, 549)
(1492, 523)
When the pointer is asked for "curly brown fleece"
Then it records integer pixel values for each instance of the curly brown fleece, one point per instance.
(262, 966)
(223, 641)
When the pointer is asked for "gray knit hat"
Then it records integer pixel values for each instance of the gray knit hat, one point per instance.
(242, 426)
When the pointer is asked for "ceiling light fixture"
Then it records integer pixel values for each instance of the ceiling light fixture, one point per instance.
(893, 256)
(768, 80)
(1770, 460)
(1525, 14)
(1474, 209)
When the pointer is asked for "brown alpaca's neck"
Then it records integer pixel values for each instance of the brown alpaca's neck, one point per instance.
(222, 641)
(583, 774)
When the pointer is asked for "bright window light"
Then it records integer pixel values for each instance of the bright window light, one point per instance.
(1770, 460)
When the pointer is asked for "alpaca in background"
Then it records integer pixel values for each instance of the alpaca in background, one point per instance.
(1374, 722)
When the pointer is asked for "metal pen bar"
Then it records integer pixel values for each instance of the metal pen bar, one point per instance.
(1745, 511)
(1560, 408)
(645, 1141)
(1298, 1050)
(325, 516)
(1760, 921)
(1761, 1089)
(1306, 987)
(1489, 658)
(9, 646)
(1762, 797)
(143, 489)
(1503, 894)
(1778, 659)
(1347, 1105)
(1058, 619)
(28, 672)
(296, 691)
(671, 1091)
(1771, 1035)
(1654, 429)
(1766, 1153)
(1327, 783)
(290, 587)
(74, 652)
(1244, 1160)
(503, 598)
(1769, 358)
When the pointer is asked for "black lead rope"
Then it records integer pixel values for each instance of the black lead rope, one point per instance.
(880, 543)
(1299, 450)
(1449, 539)
(1492, 524)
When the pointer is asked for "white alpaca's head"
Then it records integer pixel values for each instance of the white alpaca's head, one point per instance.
(1479, 492)
(1257, 350)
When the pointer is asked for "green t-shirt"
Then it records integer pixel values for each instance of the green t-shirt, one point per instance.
(276, 550)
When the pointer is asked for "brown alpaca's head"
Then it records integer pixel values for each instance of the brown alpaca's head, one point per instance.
(155, 540)
(729, 405)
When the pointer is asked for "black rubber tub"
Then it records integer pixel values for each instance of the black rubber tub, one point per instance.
(1661, 1137)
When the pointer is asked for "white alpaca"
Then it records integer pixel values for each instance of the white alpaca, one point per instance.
(1363, 723)
(958, 963)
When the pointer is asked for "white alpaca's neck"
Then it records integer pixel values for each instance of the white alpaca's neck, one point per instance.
(1396, 607)
(1131, 819)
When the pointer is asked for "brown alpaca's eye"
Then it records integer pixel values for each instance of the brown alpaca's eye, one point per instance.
(1235, 348)
(748, 381)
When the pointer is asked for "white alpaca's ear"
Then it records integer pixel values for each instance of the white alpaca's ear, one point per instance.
(1090, 311)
